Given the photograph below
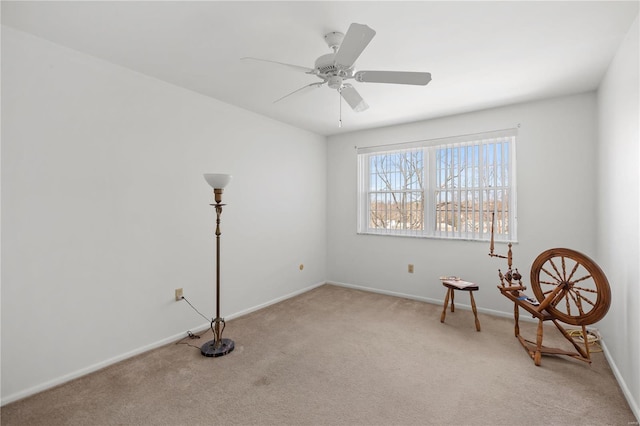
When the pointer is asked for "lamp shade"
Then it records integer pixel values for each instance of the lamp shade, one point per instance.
(217, 180)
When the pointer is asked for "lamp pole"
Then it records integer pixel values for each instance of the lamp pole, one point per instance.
(218, 346)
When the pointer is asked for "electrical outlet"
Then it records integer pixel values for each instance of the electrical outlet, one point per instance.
(410, 268)
(178, 294)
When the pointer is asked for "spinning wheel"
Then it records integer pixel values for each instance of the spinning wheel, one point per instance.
(570, 288)
(582, 293)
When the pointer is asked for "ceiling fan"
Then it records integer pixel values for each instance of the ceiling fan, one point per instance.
(334, 69)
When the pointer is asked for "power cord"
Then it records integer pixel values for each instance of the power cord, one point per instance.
(201, 314)
(190, 335)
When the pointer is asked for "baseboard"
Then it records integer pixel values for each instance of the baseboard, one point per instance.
(87, 370)
(385, 292)
(621, 382)
(274, 301)
(103, 364)
(427, 300)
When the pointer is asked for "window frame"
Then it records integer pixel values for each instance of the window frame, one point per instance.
(429, 149)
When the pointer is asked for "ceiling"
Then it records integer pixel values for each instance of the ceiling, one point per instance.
(480, 54)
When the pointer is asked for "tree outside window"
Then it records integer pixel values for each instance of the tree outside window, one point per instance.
(448, 190)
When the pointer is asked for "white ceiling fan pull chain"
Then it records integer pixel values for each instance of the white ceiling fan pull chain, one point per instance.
(340, 108)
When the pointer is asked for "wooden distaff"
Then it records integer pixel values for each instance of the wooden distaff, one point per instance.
(509, 255)
(493, 220)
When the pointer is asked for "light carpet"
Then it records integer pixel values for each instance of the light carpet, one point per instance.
(338, 356)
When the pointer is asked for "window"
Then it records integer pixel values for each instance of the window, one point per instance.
(445, 188)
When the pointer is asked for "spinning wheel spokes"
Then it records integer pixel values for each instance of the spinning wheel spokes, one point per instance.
(586, 277)
(577, 299)
(556, 277)
(581, 304)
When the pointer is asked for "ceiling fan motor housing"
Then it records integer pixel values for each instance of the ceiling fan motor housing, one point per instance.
(334, 39)
(326, 64)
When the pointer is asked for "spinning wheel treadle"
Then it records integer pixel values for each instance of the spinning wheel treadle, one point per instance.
(582, 292)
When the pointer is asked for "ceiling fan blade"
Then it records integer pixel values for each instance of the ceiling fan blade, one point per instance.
(353, 98)
(300, 89)
(295, 67)
(395, 77)
(357, 38)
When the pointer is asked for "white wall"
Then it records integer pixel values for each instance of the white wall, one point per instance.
(105, 212)
(556, 159)
(619, 211)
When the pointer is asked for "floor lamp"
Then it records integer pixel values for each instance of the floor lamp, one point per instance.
(218, 346)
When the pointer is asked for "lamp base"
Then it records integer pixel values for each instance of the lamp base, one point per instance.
(210, 349)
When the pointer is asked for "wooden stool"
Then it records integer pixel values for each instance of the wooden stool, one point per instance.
(453, 285)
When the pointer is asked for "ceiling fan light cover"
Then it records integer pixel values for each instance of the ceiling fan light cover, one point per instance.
(353, 98)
